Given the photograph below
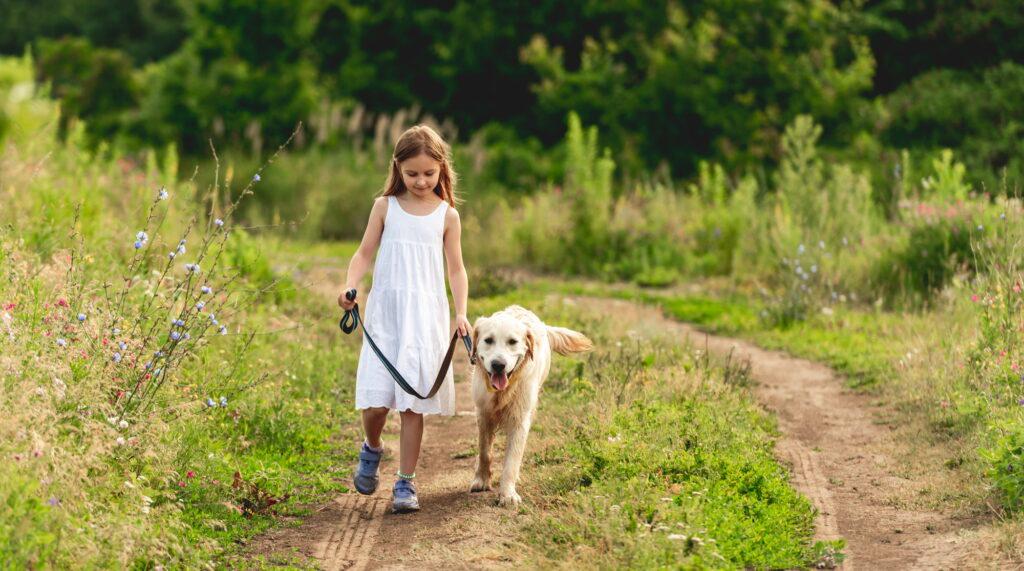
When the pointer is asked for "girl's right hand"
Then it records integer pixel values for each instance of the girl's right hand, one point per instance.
(345, 302)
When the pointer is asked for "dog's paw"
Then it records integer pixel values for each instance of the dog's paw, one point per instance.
(479, 485)
(509, 499)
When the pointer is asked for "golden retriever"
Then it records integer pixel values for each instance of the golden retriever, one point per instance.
(512, 350)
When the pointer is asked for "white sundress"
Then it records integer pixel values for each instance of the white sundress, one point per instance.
(406, 313)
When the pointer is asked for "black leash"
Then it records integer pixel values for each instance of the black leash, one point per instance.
(352, 319)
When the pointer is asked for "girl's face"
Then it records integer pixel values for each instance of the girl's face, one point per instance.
(420, 174)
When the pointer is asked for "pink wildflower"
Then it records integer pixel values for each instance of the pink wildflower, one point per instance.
(974, 298)
(181, 484)
(190, 474)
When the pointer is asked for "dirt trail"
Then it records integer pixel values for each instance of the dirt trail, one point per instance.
(837, 454)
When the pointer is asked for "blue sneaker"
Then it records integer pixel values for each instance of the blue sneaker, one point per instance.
(367, 475)
(404, 497)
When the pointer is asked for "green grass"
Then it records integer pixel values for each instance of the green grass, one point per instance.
(648, 456)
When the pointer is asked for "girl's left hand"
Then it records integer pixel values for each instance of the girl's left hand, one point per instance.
(462, 324)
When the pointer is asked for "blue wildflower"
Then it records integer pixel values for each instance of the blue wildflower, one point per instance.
(147, 365)
(218, 222)
(1002, 216)
(210, 402)
(163, 193)
(181, 249)
(179, 322)
(62, 342)
(122, 345)
(138, 244)
(206, 289)
(117, 357)
(814, 269)
(157, 372)
(158, 354)
(142, 237)
(171, 255)
(1021, 402)
(800, 250)
(213, 321)
(187, 336)
(175, 335)
(200, 305)
(256, 177)
(980, 227)
(223, 330)
(223, 401)
(81, 317)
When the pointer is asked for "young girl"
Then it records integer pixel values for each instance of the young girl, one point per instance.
(413, 222)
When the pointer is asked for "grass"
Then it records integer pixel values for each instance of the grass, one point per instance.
(647, 455)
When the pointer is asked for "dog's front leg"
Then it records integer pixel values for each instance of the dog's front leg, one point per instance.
(515, 447)
(482, 480)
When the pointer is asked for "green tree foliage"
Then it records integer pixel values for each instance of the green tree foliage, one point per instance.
(716, 79)
(243, 75)
(911, 37)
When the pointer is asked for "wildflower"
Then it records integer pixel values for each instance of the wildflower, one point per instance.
(213, 321)
(206, 289)
(186, 336)
(190, 474)
(117, 331)
(62, 302)
(158, 371)
(170, 255)
(181, 484)
(256, 177)
(17, 457)
(974, 298)
(814, 269)
(181, 249)
(37, 453)
(147, 365)
(123, 424)
(223, 401)
(175, 335)
(210, 402)
(188, 267)
(53, 502)
(800, 249)
(821, 244)
(218, 222)
(179, 322)
(1021, 402)
(1002, 216)
(62, 342)
(122, 345)
(117, 357)
(120, 441)
(1016, 288)
(158, 354)
(163, 194)
(138, 244)
(200, 305)
(980, 227)
(81, 317)
(223, 330)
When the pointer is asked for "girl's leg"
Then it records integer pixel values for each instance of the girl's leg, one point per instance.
(412, 436)
(373, 425)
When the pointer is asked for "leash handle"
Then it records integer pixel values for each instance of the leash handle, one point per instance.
(348, 323)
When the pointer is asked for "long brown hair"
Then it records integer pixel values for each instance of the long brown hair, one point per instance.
(415, 141)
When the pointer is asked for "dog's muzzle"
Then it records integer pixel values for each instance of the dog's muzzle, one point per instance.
(497, 375)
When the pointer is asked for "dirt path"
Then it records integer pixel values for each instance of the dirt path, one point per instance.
(838, 457)
(837, 454)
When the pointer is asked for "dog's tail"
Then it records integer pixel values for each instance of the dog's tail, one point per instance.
(566, 341)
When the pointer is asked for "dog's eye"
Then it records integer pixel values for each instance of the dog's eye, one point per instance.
(512, 341)
(489, 341)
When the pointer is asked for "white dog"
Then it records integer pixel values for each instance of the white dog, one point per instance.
(513, 355)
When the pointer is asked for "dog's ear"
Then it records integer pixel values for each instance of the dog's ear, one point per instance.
(530, 340)
(476, 340)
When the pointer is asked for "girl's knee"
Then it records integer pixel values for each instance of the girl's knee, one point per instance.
(376, 411)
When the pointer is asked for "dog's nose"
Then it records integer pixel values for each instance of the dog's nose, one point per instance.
(497, 366)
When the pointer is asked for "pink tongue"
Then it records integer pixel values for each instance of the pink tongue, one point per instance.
(499, 381)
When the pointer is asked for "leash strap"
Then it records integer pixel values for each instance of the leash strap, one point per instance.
(352, 319)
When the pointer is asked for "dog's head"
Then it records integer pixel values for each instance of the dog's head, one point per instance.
(501, 345)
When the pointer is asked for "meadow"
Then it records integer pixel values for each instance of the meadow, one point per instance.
(173, 383)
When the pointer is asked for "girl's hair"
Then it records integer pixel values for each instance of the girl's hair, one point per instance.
(414, 142)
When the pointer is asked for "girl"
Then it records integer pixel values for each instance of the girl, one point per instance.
(413, 222)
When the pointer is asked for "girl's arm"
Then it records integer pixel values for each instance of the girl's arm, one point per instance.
(456, 269)
(360, 262)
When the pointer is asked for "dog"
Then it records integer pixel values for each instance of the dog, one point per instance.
(512, 355)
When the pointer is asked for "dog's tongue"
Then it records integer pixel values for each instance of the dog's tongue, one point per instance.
(499, 381)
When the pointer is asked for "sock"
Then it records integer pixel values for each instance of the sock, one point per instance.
(372, 449)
